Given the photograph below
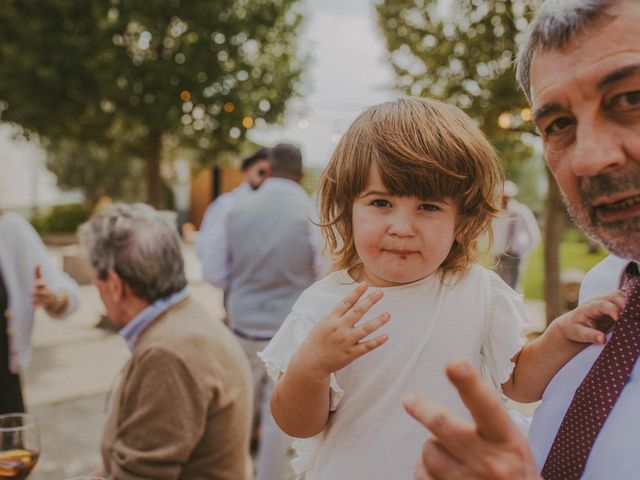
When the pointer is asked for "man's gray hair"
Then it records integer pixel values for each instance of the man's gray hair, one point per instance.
(557, 22)
(286, 161)
(140, 244)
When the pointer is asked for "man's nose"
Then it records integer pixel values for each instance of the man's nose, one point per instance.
(599, 149)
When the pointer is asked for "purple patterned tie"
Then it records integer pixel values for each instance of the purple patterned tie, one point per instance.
(598, 392)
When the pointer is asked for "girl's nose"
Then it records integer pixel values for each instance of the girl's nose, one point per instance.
(401, 225)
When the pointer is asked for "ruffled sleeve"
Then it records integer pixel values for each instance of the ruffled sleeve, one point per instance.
(505, 333)
(280, 349)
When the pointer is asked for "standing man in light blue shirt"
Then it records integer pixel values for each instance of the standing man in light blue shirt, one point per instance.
(212, 237)
(273, 256)
(580, 69)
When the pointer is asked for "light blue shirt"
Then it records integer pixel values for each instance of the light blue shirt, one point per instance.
(132, 330)
(213, 247)
(211, 244)
(615, 451)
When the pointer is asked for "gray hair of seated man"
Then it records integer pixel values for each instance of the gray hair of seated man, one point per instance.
(140, 244)
(556, 24)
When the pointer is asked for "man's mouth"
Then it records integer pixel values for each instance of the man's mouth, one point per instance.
(618, 210)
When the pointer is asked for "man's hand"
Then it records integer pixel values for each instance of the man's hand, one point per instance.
(42, 296)
(493, 448)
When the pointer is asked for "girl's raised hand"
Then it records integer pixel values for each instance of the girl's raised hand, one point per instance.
(336, 341)
(589, 322)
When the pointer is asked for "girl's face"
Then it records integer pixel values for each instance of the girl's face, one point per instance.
(400, 240)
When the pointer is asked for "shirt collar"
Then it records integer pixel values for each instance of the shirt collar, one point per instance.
(280, 182)
(132, 330)
(244, 187)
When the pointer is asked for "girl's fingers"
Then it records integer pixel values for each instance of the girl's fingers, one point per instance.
(355, 314)
(598, 309)
(365, 347)
(367, 328)
(587, 334)
(616, 298)
(350, 300)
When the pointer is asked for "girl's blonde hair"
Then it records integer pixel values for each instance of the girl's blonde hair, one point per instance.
(422, 148)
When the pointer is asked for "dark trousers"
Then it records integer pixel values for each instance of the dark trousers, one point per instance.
(10, 391)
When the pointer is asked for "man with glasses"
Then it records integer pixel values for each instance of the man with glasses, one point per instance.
(215, 269)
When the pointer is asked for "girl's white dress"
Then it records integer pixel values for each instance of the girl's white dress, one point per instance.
(369, 436)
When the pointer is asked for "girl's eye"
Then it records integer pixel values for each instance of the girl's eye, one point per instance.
(381, 203)
(430, 207)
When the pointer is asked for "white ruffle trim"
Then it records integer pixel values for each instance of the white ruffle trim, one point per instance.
(276, 357)
(505, 336)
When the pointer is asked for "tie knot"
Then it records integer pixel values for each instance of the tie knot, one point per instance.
(631, 279)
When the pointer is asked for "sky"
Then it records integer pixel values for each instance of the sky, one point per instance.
(347, 73)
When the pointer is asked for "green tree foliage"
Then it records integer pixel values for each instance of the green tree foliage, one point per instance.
(147, 75)
(96, 171)
(462, 52)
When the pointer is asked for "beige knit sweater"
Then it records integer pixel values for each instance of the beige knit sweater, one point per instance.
(184, 405)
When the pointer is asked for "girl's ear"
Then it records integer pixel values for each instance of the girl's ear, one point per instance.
(460, 228)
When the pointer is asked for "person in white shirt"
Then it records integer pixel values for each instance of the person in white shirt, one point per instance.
(403, 212)
(28, 280)
(580, 69)
(211, 237)
(515, 234)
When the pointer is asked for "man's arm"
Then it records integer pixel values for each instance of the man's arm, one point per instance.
(212, 247)
(52, 288)
(162, 415)
(493, 448)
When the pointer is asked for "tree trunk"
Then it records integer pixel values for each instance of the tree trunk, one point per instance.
(553, 226)
(153, 150)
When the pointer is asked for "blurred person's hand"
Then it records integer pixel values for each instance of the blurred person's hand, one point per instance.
(44, 297)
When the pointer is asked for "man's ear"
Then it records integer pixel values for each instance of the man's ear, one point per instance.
(117, 287)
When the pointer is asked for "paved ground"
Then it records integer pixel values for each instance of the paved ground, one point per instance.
(73, 368)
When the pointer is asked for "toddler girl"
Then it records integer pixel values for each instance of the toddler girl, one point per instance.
(405, 198)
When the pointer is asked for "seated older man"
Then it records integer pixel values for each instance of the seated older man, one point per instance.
(183, 408)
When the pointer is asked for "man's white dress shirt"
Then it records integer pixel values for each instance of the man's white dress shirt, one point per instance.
(615, 452)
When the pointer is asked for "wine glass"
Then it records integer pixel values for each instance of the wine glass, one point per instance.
(19, 445)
